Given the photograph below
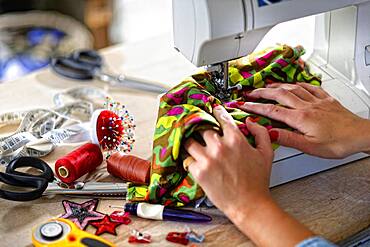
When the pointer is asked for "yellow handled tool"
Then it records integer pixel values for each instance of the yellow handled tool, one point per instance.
(64, 233)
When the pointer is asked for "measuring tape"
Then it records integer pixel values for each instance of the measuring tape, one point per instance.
(62, 232)
(40, 130)
(88, 94)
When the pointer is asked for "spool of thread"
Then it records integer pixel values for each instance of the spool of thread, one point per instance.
(78, 163)
(129, 168)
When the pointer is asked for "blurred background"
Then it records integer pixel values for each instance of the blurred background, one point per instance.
(33, 31)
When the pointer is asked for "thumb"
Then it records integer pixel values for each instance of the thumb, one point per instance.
(291, 139)
(261, 136)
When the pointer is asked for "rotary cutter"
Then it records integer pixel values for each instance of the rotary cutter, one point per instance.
(64, 233)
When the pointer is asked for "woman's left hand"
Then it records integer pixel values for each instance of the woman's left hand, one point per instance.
(233, 174)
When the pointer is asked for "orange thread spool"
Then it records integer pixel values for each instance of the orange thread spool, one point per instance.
(129, 168)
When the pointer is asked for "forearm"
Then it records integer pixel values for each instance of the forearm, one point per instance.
(268, 225)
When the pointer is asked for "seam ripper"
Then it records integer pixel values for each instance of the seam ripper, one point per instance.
(160, 212)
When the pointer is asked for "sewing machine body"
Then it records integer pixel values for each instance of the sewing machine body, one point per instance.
(209, 32)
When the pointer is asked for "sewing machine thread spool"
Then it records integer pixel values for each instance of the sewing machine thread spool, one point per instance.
(63, 172)
(129, 168)
(78, 163)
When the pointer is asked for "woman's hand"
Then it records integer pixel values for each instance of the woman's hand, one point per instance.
(235, 176)
(325, 128)
(231, 172)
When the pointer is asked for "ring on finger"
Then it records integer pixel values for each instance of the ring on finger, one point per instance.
(187, 162)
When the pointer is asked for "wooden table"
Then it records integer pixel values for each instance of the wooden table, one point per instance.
(335, 203)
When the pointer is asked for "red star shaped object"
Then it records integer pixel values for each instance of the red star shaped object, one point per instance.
(105, 225)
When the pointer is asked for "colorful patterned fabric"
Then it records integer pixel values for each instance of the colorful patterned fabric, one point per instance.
(188, 108)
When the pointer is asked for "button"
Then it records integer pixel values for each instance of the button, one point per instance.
(51, 230)
(367, 55)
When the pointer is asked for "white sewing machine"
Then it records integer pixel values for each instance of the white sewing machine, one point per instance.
(212, 32)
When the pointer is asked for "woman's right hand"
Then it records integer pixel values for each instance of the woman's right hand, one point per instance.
(324, 127)
(235, 176)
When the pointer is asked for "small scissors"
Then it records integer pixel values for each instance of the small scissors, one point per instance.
(46, 184)
(88, 64)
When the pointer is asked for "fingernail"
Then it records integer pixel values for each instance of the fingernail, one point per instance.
(215, 105)
(244, 129)
(274, 135)
(248, 120)
(240, 103)
(232, 104)
(269, 81)
(253, 119)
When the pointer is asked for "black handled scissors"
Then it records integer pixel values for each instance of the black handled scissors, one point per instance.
(46, 184)
(38, 183)
(88, 64)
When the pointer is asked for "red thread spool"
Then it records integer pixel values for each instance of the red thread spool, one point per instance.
(78, 163)
(129, 168)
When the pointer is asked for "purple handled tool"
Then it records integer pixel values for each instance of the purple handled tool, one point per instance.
(160, 212)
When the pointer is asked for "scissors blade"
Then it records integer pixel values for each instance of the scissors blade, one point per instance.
(141, 85)
(100, 189)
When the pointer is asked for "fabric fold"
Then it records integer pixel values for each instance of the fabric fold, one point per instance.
(188, 108)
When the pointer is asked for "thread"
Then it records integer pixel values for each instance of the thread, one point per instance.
(129, 168)
(78, 163)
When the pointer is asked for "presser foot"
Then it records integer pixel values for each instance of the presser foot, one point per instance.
(220, 78)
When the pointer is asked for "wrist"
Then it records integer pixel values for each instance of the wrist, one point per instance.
(362, 137)
(242, 214)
